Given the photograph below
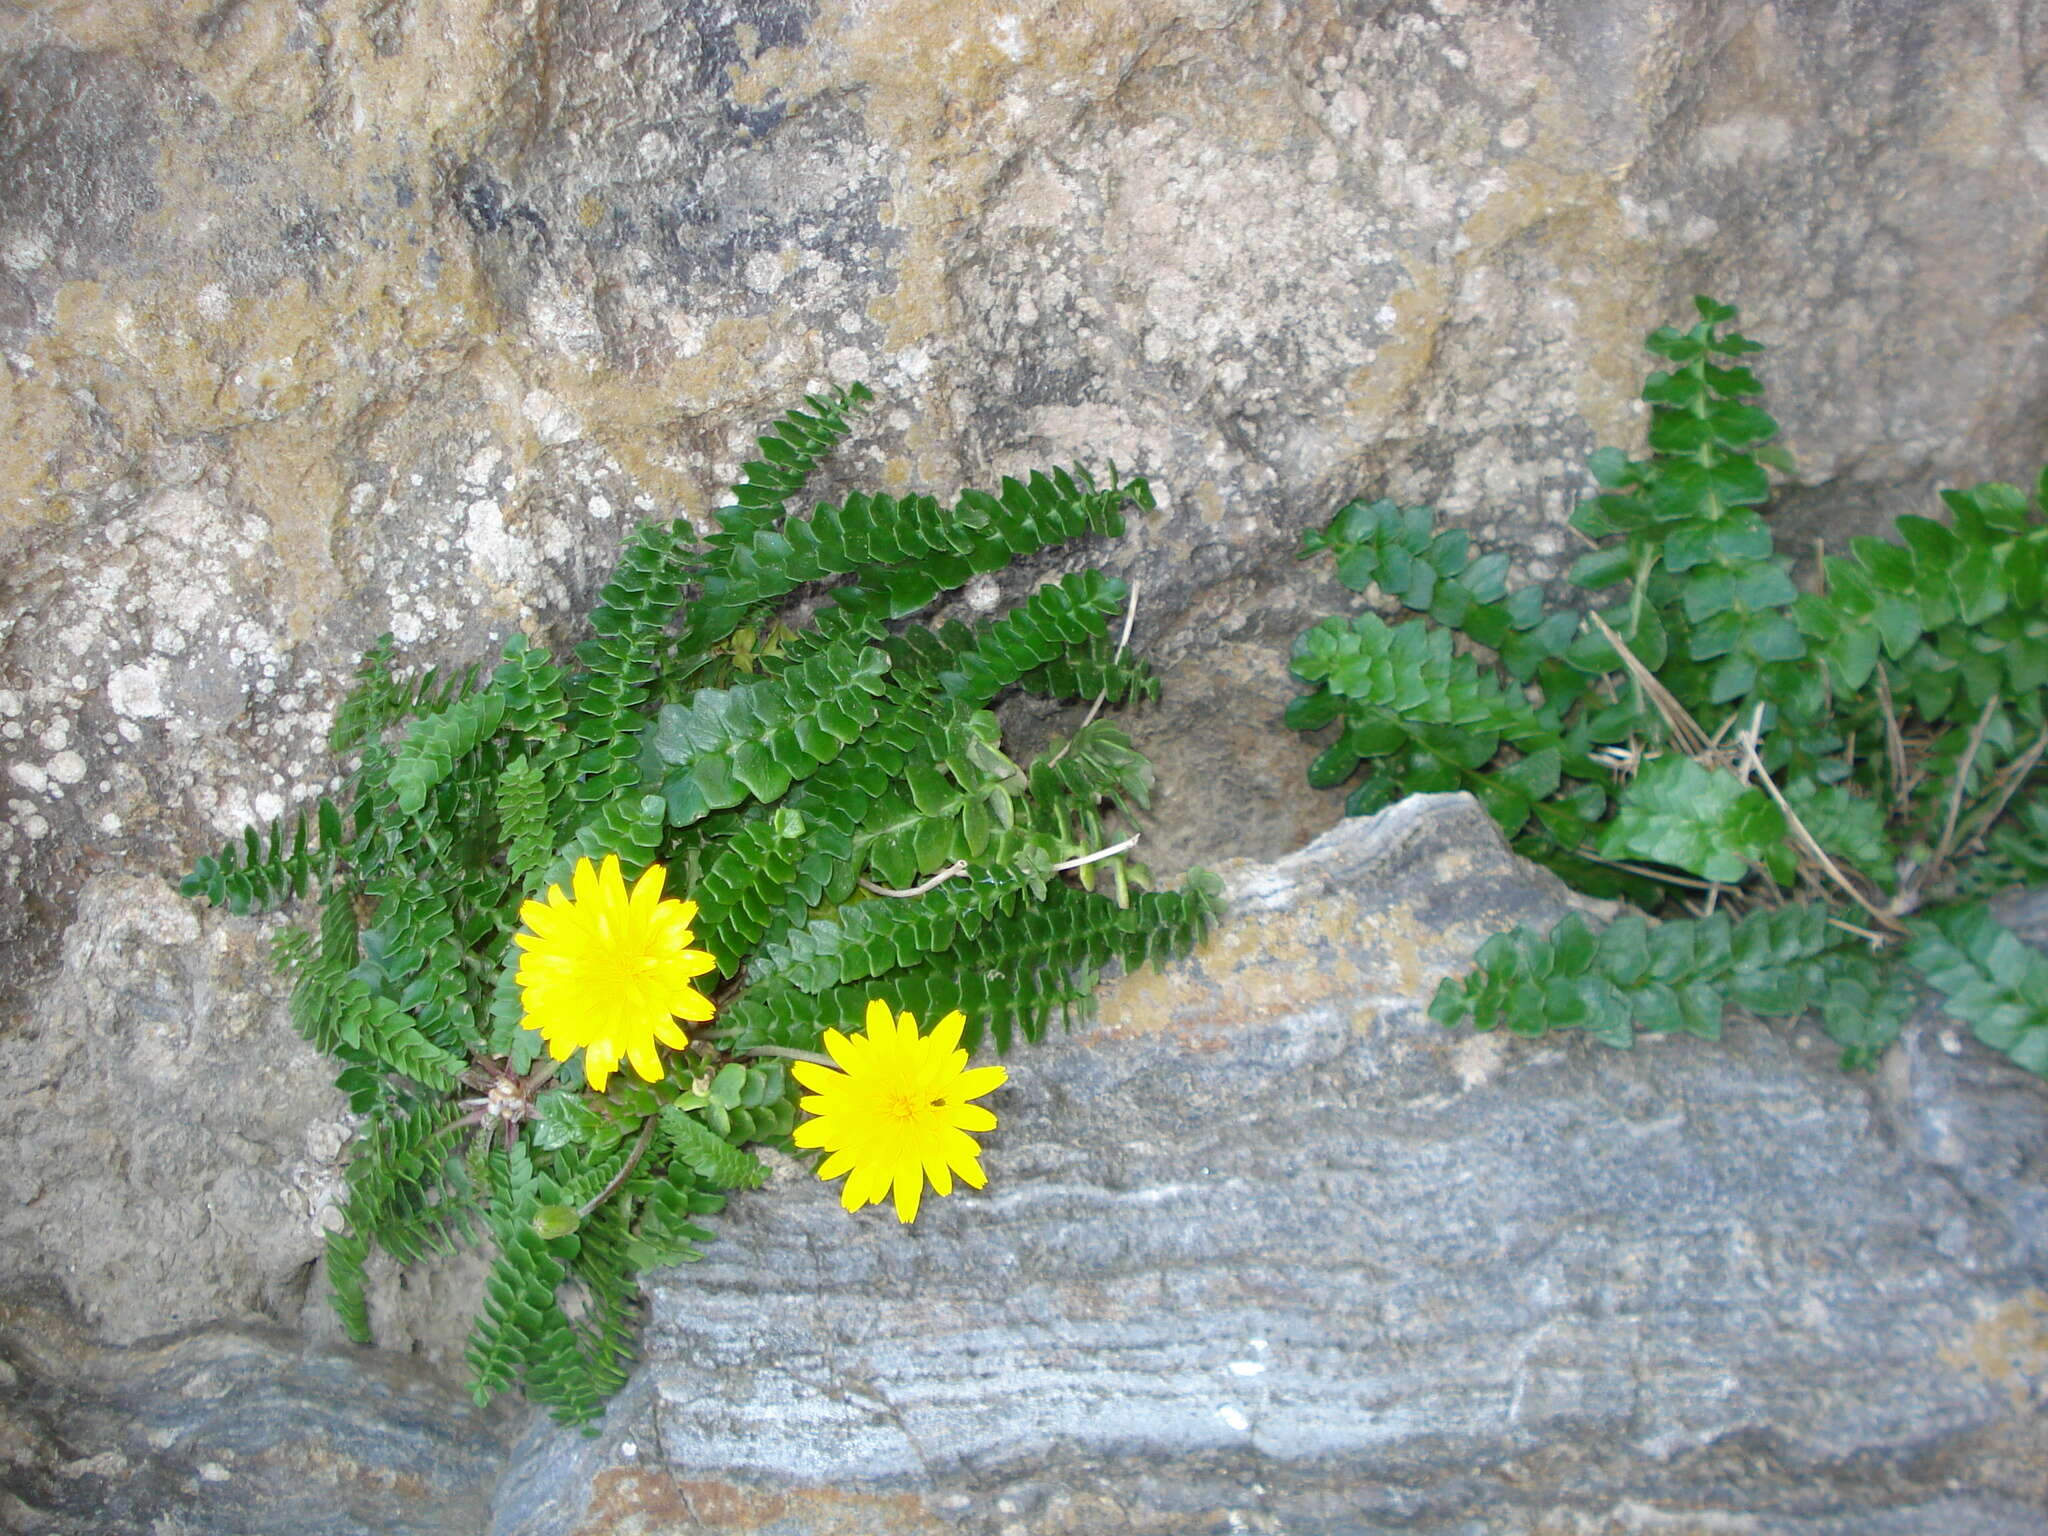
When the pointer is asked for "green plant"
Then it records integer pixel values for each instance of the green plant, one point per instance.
(831, 790)
(1808, 789)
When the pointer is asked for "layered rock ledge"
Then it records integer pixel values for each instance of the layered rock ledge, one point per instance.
(1267, 1250)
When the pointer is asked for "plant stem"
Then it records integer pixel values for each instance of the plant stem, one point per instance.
(1130, 613)
(1754, 763)
(1100, 853)
(1685, 730)
(1894, 744)
(2013, 776)
(916, 890)
(1931, 870)
(639, 1151)
(791, 1053)
(1877, 940)
(541, 1074)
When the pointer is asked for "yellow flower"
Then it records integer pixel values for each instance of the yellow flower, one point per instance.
(898, 1114)
(609, 972)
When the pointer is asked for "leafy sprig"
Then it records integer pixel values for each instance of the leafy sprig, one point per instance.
(831, 790)
(1807, 789)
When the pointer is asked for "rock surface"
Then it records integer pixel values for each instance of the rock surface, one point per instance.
(1268, 1251)
(328, 319)
(322, 320)
(168, 1144)
(227, 1431)
(1263, 1250)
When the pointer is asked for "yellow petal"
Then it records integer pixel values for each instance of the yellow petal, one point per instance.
(972, 1085)
(646, 894)
(693, 1005)
(666, 1032)
(611, 884)
(835, 1164)
(878, 1018)
(811, 1134)
(864, 1186)
(583, 881)
(970, 1117)
(815, 1075)
(909, 1190)
(646, 1060)
(840, 1049)
(945, 1035)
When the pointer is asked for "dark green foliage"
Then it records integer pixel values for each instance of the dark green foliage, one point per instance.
(791, 451)
(381, 698)
(2016, 852)
(1051, 622)
(708, 1154)
(1096, 668)
(1630, 976)
(523, 812)
(1399, 550)
(1701, 820)
(667, 1230)
(396, 1196)
(1783, 778)
(630, 826)
(869, 938)
(621, 659)
(346, 1252)
(428, 753)
(519, 1319)
(259, 872)
(757, 739)
(906, 550)
(1008, 971)
(1988, 979)
(790, 778)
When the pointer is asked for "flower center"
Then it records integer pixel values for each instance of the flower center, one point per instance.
(905, 1104)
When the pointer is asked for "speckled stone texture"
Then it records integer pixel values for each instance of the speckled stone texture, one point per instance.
(232, 1432)
(322, 320)
(1268, 1251)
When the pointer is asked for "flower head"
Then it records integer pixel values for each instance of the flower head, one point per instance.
(897, 1114)
(609, 971)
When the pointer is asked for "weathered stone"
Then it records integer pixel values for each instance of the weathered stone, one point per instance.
(1267, 1250)
(318, 321)
(227, 1430)
(369, 315)
(169, 1147)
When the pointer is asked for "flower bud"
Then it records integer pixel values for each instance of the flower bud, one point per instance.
(552, 1221)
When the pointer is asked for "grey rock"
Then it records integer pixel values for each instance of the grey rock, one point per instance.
(231, 1432)
(1267, 1250)
(169, 1146)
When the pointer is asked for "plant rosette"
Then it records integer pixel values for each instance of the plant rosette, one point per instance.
(589, 931)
